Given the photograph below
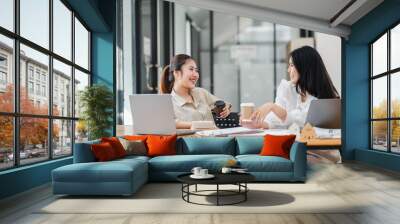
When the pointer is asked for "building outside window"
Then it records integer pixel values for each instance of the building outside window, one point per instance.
(43, 77)
(30, 87)
(3, 61)
(3, 78)
(38, 89)
(43, 90)
(34, 82)
(37, 74)
(3, 72)
(385, 95)
(30, 72)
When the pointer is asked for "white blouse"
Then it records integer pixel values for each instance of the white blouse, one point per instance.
(290, 100)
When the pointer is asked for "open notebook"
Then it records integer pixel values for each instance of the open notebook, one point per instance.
(241, 131)
(229, 131)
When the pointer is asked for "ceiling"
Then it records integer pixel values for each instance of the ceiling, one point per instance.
(325, 16)
(319, 9)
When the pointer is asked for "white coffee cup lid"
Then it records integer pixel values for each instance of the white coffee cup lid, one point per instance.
(247, 104)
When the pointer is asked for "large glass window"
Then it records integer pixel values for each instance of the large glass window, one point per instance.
(33, 139)
(6, 142)
(395, 47)
(81, 81)
(7, 14)
(35, 21)
(6, 74)
(81, 45)
(62, 137)
(43, 113)
(62, 89)
(385, 95)
(62, 29)
(252, 55)
(40, 62)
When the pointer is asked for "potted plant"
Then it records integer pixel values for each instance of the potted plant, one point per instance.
(96, 104)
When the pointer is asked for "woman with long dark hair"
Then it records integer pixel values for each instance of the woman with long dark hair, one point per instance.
(191, 103)
(309, 80)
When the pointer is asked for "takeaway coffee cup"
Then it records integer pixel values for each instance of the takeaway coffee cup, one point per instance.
(246, 109)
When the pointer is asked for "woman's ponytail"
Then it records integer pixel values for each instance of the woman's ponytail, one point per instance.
(167, 80)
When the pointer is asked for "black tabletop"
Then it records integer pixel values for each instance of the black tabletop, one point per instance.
(220, 178)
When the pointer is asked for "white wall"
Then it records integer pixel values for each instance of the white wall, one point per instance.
(329, 48)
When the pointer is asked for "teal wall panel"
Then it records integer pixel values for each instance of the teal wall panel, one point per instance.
(90, 12)
(356, 82)
(103, 59)
(377, 158)
(24, 178)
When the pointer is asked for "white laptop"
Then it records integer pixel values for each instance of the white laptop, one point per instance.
(154, 114)
(325, 113)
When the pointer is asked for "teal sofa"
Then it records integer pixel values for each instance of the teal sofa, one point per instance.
(125, 176)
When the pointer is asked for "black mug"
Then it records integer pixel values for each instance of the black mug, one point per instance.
(219, 106)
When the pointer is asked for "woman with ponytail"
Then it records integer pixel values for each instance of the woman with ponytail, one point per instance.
(191, 103)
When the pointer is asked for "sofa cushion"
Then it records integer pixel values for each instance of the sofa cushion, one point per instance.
(134, 147)
(116, 145)
(112, 171)
(257, 163)
(83, 152)
(185, 163)
(249, 145)
(136, 137)
(277, 145)
(103, 152)
(159, 145)
(206, 145)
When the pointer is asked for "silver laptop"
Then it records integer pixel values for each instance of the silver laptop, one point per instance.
(154, 114)
(325, 113)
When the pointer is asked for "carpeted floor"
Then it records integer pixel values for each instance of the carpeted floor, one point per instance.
(166, 198)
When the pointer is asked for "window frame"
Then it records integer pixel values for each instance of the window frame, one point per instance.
(388, 74)
(16, 115)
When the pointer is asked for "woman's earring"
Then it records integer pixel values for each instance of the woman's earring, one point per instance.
(170, 77)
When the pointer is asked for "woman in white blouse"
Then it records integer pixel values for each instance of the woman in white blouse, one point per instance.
(309, 80)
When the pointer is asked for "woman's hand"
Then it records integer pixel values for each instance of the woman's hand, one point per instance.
(255, 121)
(264, 110)
(226, 111)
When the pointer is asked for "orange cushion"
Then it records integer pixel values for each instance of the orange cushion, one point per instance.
(135, 137)
(277, 145)
(103, 152)
(116, 145)
(161, 145)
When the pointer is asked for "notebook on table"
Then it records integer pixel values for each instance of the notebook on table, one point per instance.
(229, 131)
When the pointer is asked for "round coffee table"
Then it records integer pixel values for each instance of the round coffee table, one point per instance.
(238, 179)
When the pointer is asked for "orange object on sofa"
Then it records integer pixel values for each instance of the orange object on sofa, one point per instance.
(277, 145)
(136, 137)
(161, 145)
(116, 145)
(103, 152)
